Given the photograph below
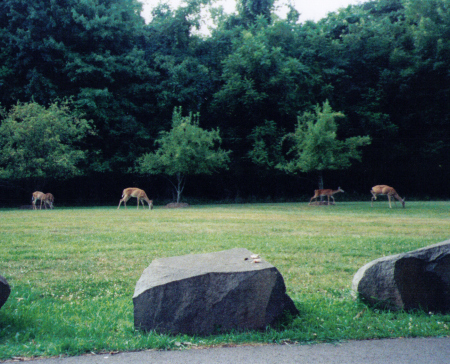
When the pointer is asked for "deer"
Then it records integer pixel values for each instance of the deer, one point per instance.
(48, 200)
(327, 192)
(388, 191)
(137, 193)
(44, 198)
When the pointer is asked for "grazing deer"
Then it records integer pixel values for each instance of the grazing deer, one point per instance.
(137, 193)
(48, 200)
(386, 190)
(329, 193)
(44, 198)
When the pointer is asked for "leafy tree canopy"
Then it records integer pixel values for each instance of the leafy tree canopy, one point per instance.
(314, 144)
(266, 152)
(383, 63)
(250, 10)
(42, 142)
(185, 150)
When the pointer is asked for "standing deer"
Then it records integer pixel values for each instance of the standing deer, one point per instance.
(328, 192)
(137, 193)
(44, 198)
(386, 190)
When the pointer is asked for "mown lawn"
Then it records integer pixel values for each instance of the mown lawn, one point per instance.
(73, 271)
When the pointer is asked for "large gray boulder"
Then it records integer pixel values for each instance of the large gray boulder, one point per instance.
(210, 293)
(5, 290)
(415, 280)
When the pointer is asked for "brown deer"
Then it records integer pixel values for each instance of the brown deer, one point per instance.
(48, 200)
(44, 198)
(137, 193)
(328, 192)
(388, 191)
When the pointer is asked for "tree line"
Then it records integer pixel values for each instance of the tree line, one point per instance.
(91, 95)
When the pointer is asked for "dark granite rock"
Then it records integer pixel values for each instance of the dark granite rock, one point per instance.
(415, 280)
(210, 293)
(5, 290)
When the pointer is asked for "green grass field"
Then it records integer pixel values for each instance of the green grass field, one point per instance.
(73, 271)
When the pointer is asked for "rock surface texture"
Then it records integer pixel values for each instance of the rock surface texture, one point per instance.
(415, 280)
(5, 290)
(210, 293)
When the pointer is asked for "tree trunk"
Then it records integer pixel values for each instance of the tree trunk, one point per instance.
(180, 187)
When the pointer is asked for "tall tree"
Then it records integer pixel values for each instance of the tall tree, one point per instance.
(264, 78)
(314, 146)
(179, 56)
(89, 50)
(185, 150)
(425, 91)
(41, 143)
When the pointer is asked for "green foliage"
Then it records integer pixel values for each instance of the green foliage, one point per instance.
(187, 83)
(91, 51)
(265, 77)
(383, 63)
(185, 150)
(250, 10)
(266, 152)
(315, 146)
(39, 142)
(429, 81)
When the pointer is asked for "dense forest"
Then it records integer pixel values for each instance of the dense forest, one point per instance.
(90, 94)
